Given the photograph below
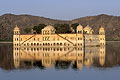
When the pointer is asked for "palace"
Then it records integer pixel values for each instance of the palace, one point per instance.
(49, 48)
(48, 38)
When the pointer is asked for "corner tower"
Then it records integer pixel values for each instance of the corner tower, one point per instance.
(16, 36)
(80, 36)
(102, 36)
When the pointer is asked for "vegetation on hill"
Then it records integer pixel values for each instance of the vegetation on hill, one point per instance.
(74, 26)
(38, 28)
(62, 28)
(27, 30)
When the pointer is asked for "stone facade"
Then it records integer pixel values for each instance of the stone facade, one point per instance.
(48, 38)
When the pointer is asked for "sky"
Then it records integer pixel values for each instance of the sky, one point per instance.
(60, 9)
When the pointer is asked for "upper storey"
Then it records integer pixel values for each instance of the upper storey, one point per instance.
(86, 30)
(16, 30)
(80, 29)
(102, 31)
(48, 30)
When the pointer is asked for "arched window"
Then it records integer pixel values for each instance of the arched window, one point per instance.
(24, 44)
(48, 44)
(28, 49)
(54, 49)
(81, 44)
(60, 44)
(64, 49)
(34, 49)
(57, 44)
(43, 44)
(64, 44)
(57, 49)
(60, 49)
(37, 44)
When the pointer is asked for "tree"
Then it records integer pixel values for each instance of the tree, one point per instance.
(74, 26)
(62, 28)
(38, 28)
(27, 30)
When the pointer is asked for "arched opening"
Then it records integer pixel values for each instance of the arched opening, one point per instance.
(60, 44)
(68, 44)
(43, 44)
(34, 49)
(37, 44)
(57, 49)
(54, 44)
(60, 49)
(48, 44)
(64, 44)
(27, 44)
(57, 44)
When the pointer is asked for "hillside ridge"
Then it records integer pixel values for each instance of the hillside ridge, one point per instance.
(109, 22)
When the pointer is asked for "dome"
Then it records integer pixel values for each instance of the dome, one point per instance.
(88, 30)
(16, 28)
(49, 28)
(79, 27)
(101, 29)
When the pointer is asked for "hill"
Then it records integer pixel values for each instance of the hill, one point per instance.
(8, 22)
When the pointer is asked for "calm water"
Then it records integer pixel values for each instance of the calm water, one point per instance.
(33, 63)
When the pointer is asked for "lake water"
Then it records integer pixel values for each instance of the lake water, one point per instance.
(35, 63)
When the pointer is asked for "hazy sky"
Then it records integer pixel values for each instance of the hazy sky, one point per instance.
(60, 9)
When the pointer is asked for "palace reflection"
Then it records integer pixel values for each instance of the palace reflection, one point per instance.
(59, 57)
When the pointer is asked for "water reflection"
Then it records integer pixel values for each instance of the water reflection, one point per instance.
(6, 56)
(58, 57)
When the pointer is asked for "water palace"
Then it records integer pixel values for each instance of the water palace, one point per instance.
(48, 38)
